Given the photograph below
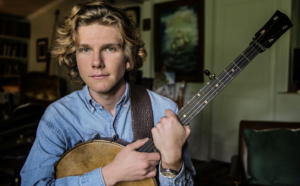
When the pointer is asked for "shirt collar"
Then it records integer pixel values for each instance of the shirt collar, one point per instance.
(89, 101)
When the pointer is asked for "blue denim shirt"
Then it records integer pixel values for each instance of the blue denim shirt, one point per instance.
(78, 117)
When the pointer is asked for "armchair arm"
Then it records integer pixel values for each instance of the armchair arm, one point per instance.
(236, 170)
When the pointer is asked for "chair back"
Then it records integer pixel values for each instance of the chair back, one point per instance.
(39, 88)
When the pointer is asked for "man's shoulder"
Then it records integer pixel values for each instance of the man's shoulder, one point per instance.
(68, 100)
(162, 101)
(65, 106)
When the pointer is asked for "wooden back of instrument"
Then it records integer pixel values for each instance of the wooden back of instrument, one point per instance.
(89, 156)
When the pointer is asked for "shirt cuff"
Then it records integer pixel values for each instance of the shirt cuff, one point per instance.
(93, 178)
(172, 181)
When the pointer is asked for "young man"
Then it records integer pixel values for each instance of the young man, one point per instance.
(102, 49)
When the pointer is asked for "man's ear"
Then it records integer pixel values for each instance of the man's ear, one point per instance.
(127, 65)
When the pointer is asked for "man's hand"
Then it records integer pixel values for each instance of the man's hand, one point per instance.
(169, 136)
(130, 165)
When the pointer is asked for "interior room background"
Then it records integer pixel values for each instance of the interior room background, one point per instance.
(258, 93)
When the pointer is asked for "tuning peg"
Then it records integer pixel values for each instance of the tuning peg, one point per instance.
(211, 76)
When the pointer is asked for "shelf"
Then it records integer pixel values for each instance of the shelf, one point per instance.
(19, 59)
(14, 43)
(14, 38)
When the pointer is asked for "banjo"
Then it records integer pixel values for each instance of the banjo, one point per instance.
(84, 157)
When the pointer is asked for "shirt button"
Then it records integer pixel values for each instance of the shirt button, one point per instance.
(94, 104)
(176, 183)
(125, 105)
(92, 109)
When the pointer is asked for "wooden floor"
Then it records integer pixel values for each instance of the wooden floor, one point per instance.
(212, 173)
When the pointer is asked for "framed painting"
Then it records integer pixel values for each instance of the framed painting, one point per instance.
(179, 39)
(42, 50)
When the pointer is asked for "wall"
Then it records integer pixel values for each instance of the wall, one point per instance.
(253, 95)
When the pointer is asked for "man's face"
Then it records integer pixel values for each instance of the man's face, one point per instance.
(100, 58)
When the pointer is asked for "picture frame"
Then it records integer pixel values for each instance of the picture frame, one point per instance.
(42, 49)
(179, 39)
(134, 13)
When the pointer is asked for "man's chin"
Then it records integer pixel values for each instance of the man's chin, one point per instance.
(101, 90)
(105, 87)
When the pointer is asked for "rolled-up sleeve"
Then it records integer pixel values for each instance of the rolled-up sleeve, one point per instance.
(185, 176)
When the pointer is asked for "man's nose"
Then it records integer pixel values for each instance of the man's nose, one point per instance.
(98, 61)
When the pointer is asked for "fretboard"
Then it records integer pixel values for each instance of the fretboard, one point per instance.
(215, 86)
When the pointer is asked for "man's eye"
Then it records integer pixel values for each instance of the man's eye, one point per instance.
(85, 50)
(110, 49)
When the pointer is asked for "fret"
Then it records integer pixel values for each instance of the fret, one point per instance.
(254, 53)
(219, 80)
(189, 107)
(249, 54)
(231, 70)
(225, 77)
(181, 114)
(209, 89)
(228, 74)
(219, 86)
(215, 86)
(207, 96)
(237, 66)
(245, 57)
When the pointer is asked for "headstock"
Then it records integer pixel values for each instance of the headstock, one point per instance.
(271, 31)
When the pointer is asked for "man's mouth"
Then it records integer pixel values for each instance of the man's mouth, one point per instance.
(99, 76)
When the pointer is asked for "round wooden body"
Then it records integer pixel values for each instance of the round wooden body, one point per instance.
(89, 156)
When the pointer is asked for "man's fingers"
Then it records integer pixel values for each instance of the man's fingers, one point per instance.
(169, 112)
(150, 169)
(151, 173)
(153, 163)
(187, 129)
(153, 156)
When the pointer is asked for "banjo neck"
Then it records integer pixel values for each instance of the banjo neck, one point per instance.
(263, 39)
(209, 92)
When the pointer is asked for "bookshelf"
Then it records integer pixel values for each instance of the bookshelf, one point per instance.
(14, 39)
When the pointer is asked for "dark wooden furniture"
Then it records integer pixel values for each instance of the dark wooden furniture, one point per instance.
(37, 90)
(17, 135)
(239, 163)
(180, 99)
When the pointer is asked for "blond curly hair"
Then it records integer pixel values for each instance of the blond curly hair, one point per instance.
(102, 12)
